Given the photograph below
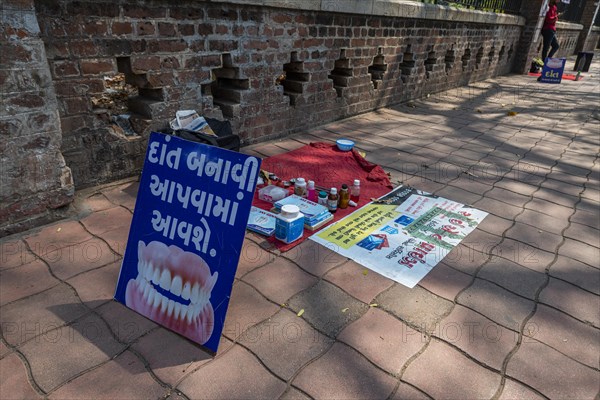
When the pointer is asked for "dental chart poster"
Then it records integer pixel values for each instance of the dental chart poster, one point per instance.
(186, 236)
(403, 234)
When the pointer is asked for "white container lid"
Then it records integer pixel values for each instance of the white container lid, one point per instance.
(311, 184)
(356, 182)
(333, 191)
(300, 181)
(290, 210)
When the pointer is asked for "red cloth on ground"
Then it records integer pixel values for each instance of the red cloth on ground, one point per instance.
(568, 77)
(328, 167)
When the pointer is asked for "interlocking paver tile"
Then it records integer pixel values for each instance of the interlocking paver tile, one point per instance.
(246, 308)
(25, 280)
(555, 197)
(77, 258)
(577, 273)
(498, 208)
(423, 183)
(549, 209)
(591, 194)
(516, 186)
(4, 350)
(96, 287)
(527, 255)
(126, 324)
(268, 149)
(499, 305)
(472, 185)
(294, 394)
(583, 233)
(235, 375)
(123, 195)
(66, 352)
(480, 240)
(562, 187)
(285, 343)
(314, 258)
(565, 334)
(383, 339)
(534, 236)
(52, 237)
(94, 202)
(37, 315)
(445, 281)
(14, 253)
(543, 221)
(323, 304)
(580, 251)
(343, 373)
(125, 377)
(513, 390)
(481, 338)
(170, 366)
(279, 280)
(14, 383)
(507, 196)
(405, 391)
(252, 256)
(495, 225)
(455, 194)
(416, 306)
(511, 276)
(572, 300)
(116, 239)
(551, 373)
(467, 259)
(450, 367)
(108, 220)
(586, 218)
(358, 281)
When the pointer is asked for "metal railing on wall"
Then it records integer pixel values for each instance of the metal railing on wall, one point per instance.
(572, 11)
(499, 6)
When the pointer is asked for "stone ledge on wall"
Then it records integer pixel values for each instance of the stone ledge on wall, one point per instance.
(391, 8)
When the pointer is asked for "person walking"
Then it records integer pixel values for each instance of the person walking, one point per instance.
(549, 31)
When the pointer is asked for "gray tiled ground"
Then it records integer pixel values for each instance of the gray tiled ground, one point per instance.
(512, 312)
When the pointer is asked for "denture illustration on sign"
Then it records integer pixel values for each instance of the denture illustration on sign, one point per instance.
(173, 288)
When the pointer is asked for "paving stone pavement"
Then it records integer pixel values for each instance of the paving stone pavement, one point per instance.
(513, 312)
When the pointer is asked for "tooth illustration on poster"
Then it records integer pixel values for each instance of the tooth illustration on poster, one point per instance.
(173, 288)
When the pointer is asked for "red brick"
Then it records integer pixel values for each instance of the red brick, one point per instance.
(95, 67)
(143, 12)
(205, 29)
(186, 29)
(76, 105)
(82, 48)
(145, 28)
(96, 28)
(143, 64)
(166, 29)
(63, 69)
(122, 28)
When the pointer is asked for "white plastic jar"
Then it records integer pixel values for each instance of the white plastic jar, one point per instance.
(289, 225)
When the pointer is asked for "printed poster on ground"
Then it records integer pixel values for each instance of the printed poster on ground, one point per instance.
(402, 235)
(186, 236)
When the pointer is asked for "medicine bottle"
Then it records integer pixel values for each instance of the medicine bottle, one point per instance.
(300, 187)
(355, 191)
(323, 198)
(311, 193)
(344, 197)
(332, 200)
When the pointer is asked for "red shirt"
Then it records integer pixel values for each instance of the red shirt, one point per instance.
(551, 18)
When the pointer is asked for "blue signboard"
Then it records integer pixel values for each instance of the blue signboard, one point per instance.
(553, 69)
(186, 236)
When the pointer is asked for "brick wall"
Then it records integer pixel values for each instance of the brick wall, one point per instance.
(567, 35)
(224, 59)
(35, 183)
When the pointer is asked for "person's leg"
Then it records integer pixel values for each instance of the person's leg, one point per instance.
(554, 44)
(547, 35)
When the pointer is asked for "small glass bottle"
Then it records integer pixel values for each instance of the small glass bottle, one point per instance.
(323, 198)
(332, 200)
(311, 193)
(344, 197)
(355, 191)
